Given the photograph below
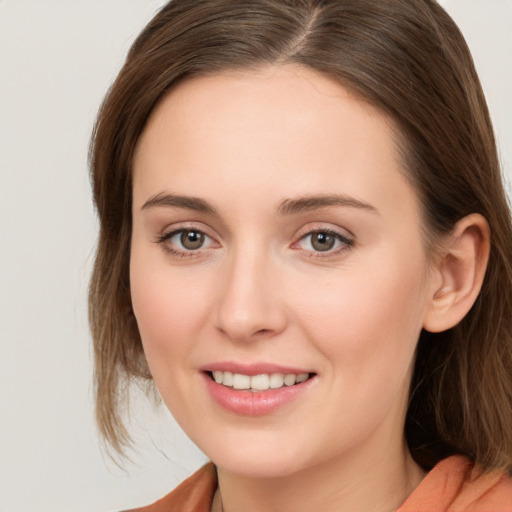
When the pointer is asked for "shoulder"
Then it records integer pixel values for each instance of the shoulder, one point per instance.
(195, 494)
(455, 485)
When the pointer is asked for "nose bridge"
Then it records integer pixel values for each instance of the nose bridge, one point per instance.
(250, 305)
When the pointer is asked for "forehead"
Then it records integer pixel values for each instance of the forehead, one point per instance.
(276, 93)
(282, 128)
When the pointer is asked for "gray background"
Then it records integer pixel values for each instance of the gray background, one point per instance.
(57, 58)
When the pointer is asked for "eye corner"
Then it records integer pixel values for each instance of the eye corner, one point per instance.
(185, 241)
(329, 242)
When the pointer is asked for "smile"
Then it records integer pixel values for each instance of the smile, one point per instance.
(255, 393)
(255, 383)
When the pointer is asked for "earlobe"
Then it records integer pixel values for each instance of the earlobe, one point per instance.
(460, 272)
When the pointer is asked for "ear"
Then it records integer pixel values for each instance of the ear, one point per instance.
(458, 273)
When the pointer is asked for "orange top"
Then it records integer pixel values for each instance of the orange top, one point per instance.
(454, 485)
(195, 494)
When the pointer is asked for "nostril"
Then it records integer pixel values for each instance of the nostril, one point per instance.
(262, 332)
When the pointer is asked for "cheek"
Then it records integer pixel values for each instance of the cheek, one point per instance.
(369, 315)
(170, 307)
(157, 310)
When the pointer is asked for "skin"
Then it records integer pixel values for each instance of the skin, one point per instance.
(257, 290)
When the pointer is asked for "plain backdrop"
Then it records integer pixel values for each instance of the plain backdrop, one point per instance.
(57, 59)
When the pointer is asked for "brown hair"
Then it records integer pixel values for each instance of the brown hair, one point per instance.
(408, 58)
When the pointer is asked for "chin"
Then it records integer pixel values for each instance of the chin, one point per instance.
(272, 467)
(257, 459)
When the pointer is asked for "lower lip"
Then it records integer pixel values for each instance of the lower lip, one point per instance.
(249, 403)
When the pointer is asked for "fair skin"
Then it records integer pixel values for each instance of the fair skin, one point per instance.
(274, 232)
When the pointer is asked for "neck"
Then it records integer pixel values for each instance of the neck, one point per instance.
(347, 484)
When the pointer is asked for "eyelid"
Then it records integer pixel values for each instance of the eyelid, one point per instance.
(344, 236)
(316, 227)
(171, 231)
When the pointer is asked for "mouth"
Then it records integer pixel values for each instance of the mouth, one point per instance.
(260, 382)
(256, 389)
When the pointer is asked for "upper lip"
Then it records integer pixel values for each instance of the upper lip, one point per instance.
(252, 368)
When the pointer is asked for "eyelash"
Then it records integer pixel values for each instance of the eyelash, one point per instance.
(346, 243)
(183, 253)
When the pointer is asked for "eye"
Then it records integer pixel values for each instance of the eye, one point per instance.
(190, 239)
(324, 241)
(182, 241)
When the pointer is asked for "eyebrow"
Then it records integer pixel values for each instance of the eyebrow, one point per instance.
(186, 202)
(287, 207)
(309, 203)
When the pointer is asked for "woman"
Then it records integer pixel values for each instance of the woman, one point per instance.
(306, 245)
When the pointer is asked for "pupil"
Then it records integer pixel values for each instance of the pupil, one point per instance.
(192, 239)
(322, 241)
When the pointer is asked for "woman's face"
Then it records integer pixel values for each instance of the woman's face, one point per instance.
(275, 235)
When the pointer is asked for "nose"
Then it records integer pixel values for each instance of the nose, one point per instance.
(251, 301)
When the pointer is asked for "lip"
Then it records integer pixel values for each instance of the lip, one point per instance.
(253, 368)
(249, 403)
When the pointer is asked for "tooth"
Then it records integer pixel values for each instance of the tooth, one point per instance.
(227, 379)
(241, 381)
(260, 382)
(276, 380)
(289, 379)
